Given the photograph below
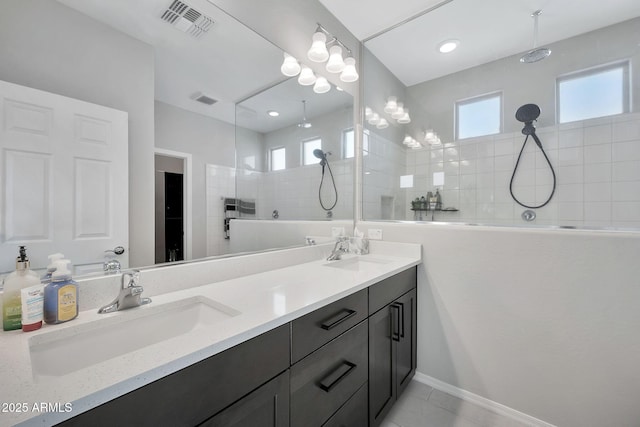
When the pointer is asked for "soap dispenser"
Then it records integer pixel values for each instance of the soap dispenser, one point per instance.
(61, 295)
(46, 278)
(13, 284)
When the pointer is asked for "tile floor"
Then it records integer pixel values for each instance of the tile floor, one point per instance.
(423, 406)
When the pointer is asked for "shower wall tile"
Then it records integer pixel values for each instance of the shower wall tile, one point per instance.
(626, 171)
(571, 174)
(571, 138)
(595, 135)
(597, 192)
(600, 153)
(599, 172)
(626, 131)
(626, 191)
(570, 156)
(626, 151)
(570, 192)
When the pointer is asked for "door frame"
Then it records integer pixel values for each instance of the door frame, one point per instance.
(188, 196)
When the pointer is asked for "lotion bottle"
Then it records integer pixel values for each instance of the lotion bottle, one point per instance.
(61, 295)
(13, 285)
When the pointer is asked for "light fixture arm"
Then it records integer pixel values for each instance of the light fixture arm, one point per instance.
(331, 39)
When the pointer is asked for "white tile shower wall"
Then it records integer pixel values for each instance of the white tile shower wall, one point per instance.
(294, 192)
(221, 183)
(597, 164)
(383, 165)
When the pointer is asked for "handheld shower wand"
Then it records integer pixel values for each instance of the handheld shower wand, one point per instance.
(324, 162)
(527, 114)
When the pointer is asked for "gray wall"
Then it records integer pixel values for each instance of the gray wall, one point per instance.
(210, 141)
(40, 48)
(528, 83)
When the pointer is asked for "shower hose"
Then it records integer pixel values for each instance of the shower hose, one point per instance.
(553, 190)
(335, 190)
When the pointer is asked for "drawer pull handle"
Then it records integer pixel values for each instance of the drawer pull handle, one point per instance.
(337, 318)
(332, 380)
(395, 321)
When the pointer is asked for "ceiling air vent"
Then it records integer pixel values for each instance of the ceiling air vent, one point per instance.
(205, 99)
(187, 19)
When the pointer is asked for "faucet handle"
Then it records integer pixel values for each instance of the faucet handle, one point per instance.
(130, 279)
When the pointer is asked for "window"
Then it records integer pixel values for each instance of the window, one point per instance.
(479, 116)
(277, 159)
(307, 151)
(348, 143)
(598, 92)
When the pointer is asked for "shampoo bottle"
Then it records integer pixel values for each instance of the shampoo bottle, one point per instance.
(13, 285)
(61, 295)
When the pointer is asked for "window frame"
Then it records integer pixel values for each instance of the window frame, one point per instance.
(365, 143)
(591, 71)
(478, 98)
(271, 150)
(302, 151)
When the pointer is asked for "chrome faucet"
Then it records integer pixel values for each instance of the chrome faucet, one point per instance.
(341, 247)
(129, 295)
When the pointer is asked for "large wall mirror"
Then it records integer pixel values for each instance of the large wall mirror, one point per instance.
(461, 136)
(177, 69)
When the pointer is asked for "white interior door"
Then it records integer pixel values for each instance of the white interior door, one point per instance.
(64, 178)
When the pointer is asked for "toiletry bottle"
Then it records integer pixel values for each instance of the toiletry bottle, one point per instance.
(438, 200)
(46, 278)
(13, 285)
(61, 295)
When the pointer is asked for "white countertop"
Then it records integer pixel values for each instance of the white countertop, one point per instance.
(264, 301)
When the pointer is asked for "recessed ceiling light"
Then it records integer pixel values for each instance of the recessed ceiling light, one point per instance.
(448, 46)
(273, 113)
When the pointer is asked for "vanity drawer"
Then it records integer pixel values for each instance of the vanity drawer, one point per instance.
(354, 413)
(321, 326)
(323, 381)
(389, 289)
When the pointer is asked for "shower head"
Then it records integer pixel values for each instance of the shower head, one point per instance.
(537, 53)
(527, 114)
(321, 155)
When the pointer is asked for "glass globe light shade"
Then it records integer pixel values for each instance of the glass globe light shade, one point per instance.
(318, 51)
(290, 66)
(349, 74)
(306, 77)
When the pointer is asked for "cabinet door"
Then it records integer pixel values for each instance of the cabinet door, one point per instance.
(382, 384)
(406, 344)
(267, 406)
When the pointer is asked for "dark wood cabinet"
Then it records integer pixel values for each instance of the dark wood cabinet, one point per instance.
(267, 406)
(343, 365)
(392, 346)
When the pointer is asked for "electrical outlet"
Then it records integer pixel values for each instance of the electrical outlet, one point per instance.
(375, 233)
(337, 231)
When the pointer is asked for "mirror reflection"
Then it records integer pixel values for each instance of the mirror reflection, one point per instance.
(169, 86)
(478, 64)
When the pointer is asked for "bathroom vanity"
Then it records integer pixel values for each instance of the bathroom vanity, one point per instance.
(317, 343)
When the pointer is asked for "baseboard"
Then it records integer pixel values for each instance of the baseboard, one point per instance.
(483, 402)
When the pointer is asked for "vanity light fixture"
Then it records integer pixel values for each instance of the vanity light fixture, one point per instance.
(374, 119)
(318, 51)
(399, 112)
(391, 105)
(321, 85)
(405, 117)
(273, 113)
(448, 46)
(349, 74)
(431, 137)
(290, 66)
(306, 77)
(335, 64)
(382, 123)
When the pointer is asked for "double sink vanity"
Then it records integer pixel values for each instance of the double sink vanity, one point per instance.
(313, 342)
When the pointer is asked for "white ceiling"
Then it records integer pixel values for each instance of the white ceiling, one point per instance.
(221, 64)
(488, 30)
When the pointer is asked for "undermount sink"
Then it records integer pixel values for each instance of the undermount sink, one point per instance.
(357, 263)
(63, 351)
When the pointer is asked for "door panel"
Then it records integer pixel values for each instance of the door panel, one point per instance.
(406, 346)
(382, 392)
(64, 178)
